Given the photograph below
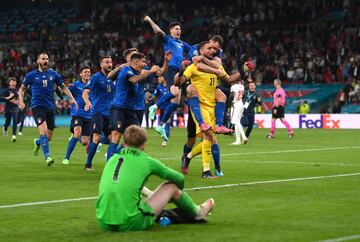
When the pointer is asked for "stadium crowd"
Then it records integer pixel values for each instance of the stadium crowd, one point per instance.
(281, 37)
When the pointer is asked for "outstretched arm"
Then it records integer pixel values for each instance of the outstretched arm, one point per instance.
(85, 96)
(144, 74)
(112, 74)
(69, 94)
(232, 78)
(21, 97)
(154, 26)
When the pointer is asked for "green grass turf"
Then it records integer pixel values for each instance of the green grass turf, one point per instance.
(308, 210)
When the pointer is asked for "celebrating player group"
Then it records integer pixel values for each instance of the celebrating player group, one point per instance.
(109, 105)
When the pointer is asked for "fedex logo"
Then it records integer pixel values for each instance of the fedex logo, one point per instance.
(324, 122)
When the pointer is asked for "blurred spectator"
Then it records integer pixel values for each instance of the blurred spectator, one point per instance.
(304, 108)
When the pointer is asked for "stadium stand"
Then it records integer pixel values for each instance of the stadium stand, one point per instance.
(281, 37)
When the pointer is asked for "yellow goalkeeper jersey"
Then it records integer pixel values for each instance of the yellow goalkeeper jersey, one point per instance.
(205, 84)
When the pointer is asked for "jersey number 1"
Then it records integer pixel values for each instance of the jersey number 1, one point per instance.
(117, 169)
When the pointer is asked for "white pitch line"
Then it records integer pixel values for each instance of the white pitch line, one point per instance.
(192, 189)
(273, 181)
(295, 162)
(279, 151)
(340, 239)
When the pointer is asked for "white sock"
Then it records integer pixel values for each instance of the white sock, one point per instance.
(243, 136)
(237, 132)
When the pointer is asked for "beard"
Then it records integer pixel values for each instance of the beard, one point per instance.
(44, 66)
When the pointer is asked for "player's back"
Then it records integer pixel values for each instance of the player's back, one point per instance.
(120, 186)
(237, 89)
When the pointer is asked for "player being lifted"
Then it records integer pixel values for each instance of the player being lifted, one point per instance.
(278, 110)
(171, 43)
(11, 108)
(209, 66)
(41, 82)
(80, 126)
(120, 207)
(205, 84)
(101, 90)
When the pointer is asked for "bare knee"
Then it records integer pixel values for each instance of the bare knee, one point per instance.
(176, 191)
(219, 95)
(174, 90)
(85, 140)
(77, 132)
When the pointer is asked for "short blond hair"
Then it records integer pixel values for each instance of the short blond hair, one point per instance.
(135, 136)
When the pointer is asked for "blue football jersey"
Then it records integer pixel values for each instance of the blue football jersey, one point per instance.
(159, 92)
(129, 95)
(77, 89)
(177, 47)
(195, 51)
(42, 87)
(102, 92)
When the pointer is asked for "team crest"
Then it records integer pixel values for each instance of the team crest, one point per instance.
(76, 121)
(39, 120)
(118, 125)
(51, 78)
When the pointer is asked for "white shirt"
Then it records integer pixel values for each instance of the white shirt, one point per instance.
(237, 89)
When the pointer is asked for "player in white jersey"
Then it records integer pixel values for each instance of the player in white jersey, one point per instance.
(237, 91)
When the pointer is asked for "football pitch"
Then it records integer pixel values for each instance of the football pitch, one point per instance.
(301, 189)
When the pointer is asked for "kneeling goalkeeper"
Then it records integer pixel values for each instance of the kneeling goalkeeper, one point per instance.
(120, 206)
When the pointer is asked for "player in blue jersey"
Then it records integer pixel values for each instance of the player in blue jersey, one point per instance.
(129, 102)
(80, 125)
(11, 107)
(126, 55)
(173, 43)
(42, 81)
(162, 89)
(102, 91)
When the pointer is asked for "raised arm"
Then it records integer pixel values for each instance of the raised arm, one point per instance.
(144, 74)
(154, 26)
(164, 67)
(21, 96)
